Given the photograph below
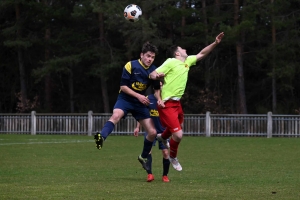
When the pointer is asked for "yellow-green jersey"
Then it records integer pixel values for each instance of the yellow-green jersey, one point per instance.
(176, 75)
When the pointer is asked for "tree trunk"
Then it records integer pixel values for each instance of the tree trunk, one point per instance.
(71, 89)
(21, 61)
(241, 84)
(239, 49)
(105, 97)
(205, 21)
(183, 19)
(217, 7)
(274, 93)
(48, 80)
(207, 61)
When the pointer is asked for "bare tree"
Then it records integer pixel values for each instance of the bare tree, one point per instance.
(20, 57)
(207, 65)
(48, 80)
(105, 97)
(239, 50)
(274, 94)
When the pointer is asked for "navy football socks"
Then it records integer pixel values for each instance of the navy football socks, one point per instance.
(147, 148)
(149, 163)
(107, 129)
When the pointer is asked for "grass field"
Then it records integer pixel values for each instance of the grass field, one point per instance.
(70, 167)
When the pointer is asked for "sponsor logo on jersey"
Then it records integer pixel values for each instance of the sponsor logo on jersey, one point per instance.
(139, 86)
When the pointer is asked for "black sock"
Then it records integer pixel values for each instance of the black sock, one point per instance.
(149, 163)
(166, 166)
(147, 148)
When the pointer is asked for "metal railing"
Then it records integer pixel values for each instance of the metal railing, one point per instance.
(265, 125)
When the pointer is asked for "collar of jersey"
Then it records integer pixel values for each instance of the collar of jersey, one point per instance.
(143, 64)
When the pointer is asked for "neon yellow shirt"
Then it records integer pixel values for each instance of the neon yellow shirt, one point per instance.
(176, 75)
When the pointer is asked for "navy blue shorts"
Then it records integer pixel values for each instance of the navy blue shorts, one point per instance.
(161, 146)
(137, 109)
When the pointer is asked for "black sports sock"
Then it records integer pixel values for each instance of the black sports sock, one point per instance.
(147, 148)
(149, 163)
(166, 166)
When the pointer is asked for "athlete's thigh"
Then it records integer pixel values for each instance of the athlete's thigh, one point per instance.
(117, 115)
(123, 105)
(140, 112)
(148, 125)
(169, 118)
(180, 114)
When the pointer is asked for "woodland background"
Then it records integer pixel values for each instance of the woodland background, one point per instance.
(65, 56)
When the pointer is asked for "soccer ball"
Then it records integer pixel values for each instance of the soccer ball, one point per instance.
(132, 13)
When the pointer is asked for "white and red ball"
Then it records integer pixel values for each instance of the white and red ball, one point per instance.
(132, 13)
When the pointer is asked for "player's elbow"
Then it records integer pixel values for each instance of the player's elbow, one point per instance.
(122, 88)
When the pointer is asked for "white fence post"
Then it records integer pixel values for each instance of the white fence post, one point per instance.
(270, 125)
(33, 123)
(90, 123)
(207, 123)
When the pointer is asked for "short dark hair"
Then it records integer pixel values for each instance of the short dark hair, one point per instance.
(172, 50)
(147, 46)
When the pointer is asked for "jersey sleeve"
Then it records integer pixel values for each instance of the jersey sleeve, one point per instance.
(125, 79)
(191, 60)
(165, 67)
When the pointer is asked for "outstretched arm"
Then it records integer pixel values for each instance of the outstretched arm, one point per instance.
(204, 52)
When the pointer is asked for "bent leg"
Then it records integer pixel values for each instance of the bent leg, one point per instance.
(110, 124)
(174, 143)
(166, 134)
(149, 128)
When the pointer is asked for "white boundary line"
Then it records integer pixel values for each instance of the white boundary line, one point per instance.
(58, 142)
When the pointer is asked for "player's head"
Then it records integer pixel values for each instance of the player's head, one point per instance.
(176, 51)
(148, 53)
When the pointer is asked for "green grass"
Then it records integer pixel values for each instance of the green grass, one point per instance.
(70, 167)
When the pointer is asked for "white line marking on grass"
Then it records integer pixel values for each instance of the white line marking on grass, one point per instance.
(53, 142)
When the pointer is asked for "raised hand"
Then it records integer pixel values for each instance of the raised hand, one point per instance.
(219, 37)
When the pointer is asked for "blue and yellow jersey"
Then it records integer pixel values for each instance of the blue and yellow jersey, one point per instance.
(154, 113)
(136, 76)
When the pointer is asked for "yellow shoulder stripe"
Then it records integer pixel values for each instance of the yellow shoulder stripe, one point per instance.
(128, 67)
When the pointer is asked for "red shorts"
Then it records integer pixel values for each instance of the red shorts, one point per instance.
(171, 116)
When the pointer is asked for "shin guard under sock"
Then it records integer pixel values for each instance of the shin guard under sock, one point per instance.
(147, 148)
(107, 129)
(173, 148)
(166, 166)
(149, 163)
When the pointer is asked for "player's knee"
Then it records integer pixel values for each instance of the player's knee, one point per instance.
(152, 131)
(165, 153)
(177, 136)
(115, 118)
